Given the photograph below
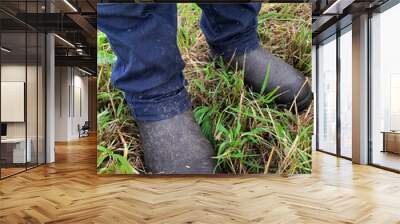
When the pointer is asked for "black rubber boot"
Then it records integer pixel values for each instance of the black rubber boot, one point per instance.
(291, 83)
(176, 146)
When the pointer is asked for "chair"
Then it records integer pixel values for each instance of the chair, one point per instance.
(84, 130)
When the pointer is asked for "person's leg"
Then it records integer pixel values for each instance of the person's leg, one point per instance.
(230, 28)
(231, 32)
(149, 71)
(149, 66)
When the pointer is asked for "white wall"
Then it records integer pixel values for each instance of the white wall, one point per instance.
(17, 73)
(70, 83)
(61, 103)
(33, 126)
(80, 97)
(14, 72)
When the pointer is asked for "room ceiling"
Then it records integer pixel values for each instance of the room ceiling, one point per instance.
(74, 22)
(330, 15)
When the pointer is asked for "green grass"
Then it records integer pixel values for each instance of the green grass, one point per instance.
(249, 133)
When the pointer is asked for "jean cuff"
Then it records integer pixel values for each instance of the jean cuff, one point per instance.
(160, 107)
(237, 46)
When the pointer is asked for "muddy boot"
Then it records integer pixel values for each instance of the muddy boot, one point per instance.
(176, 146)
(290, 82)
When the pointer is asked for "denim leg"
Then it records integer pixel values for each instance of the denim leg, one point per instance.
(149, 65)
(230, 28)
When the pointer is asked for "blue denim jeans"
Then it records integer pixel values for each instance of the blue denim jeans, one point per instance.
(149, 65)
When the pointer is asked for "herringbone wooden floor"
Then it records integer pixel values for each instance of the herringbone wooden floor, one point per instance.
(69, 191)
